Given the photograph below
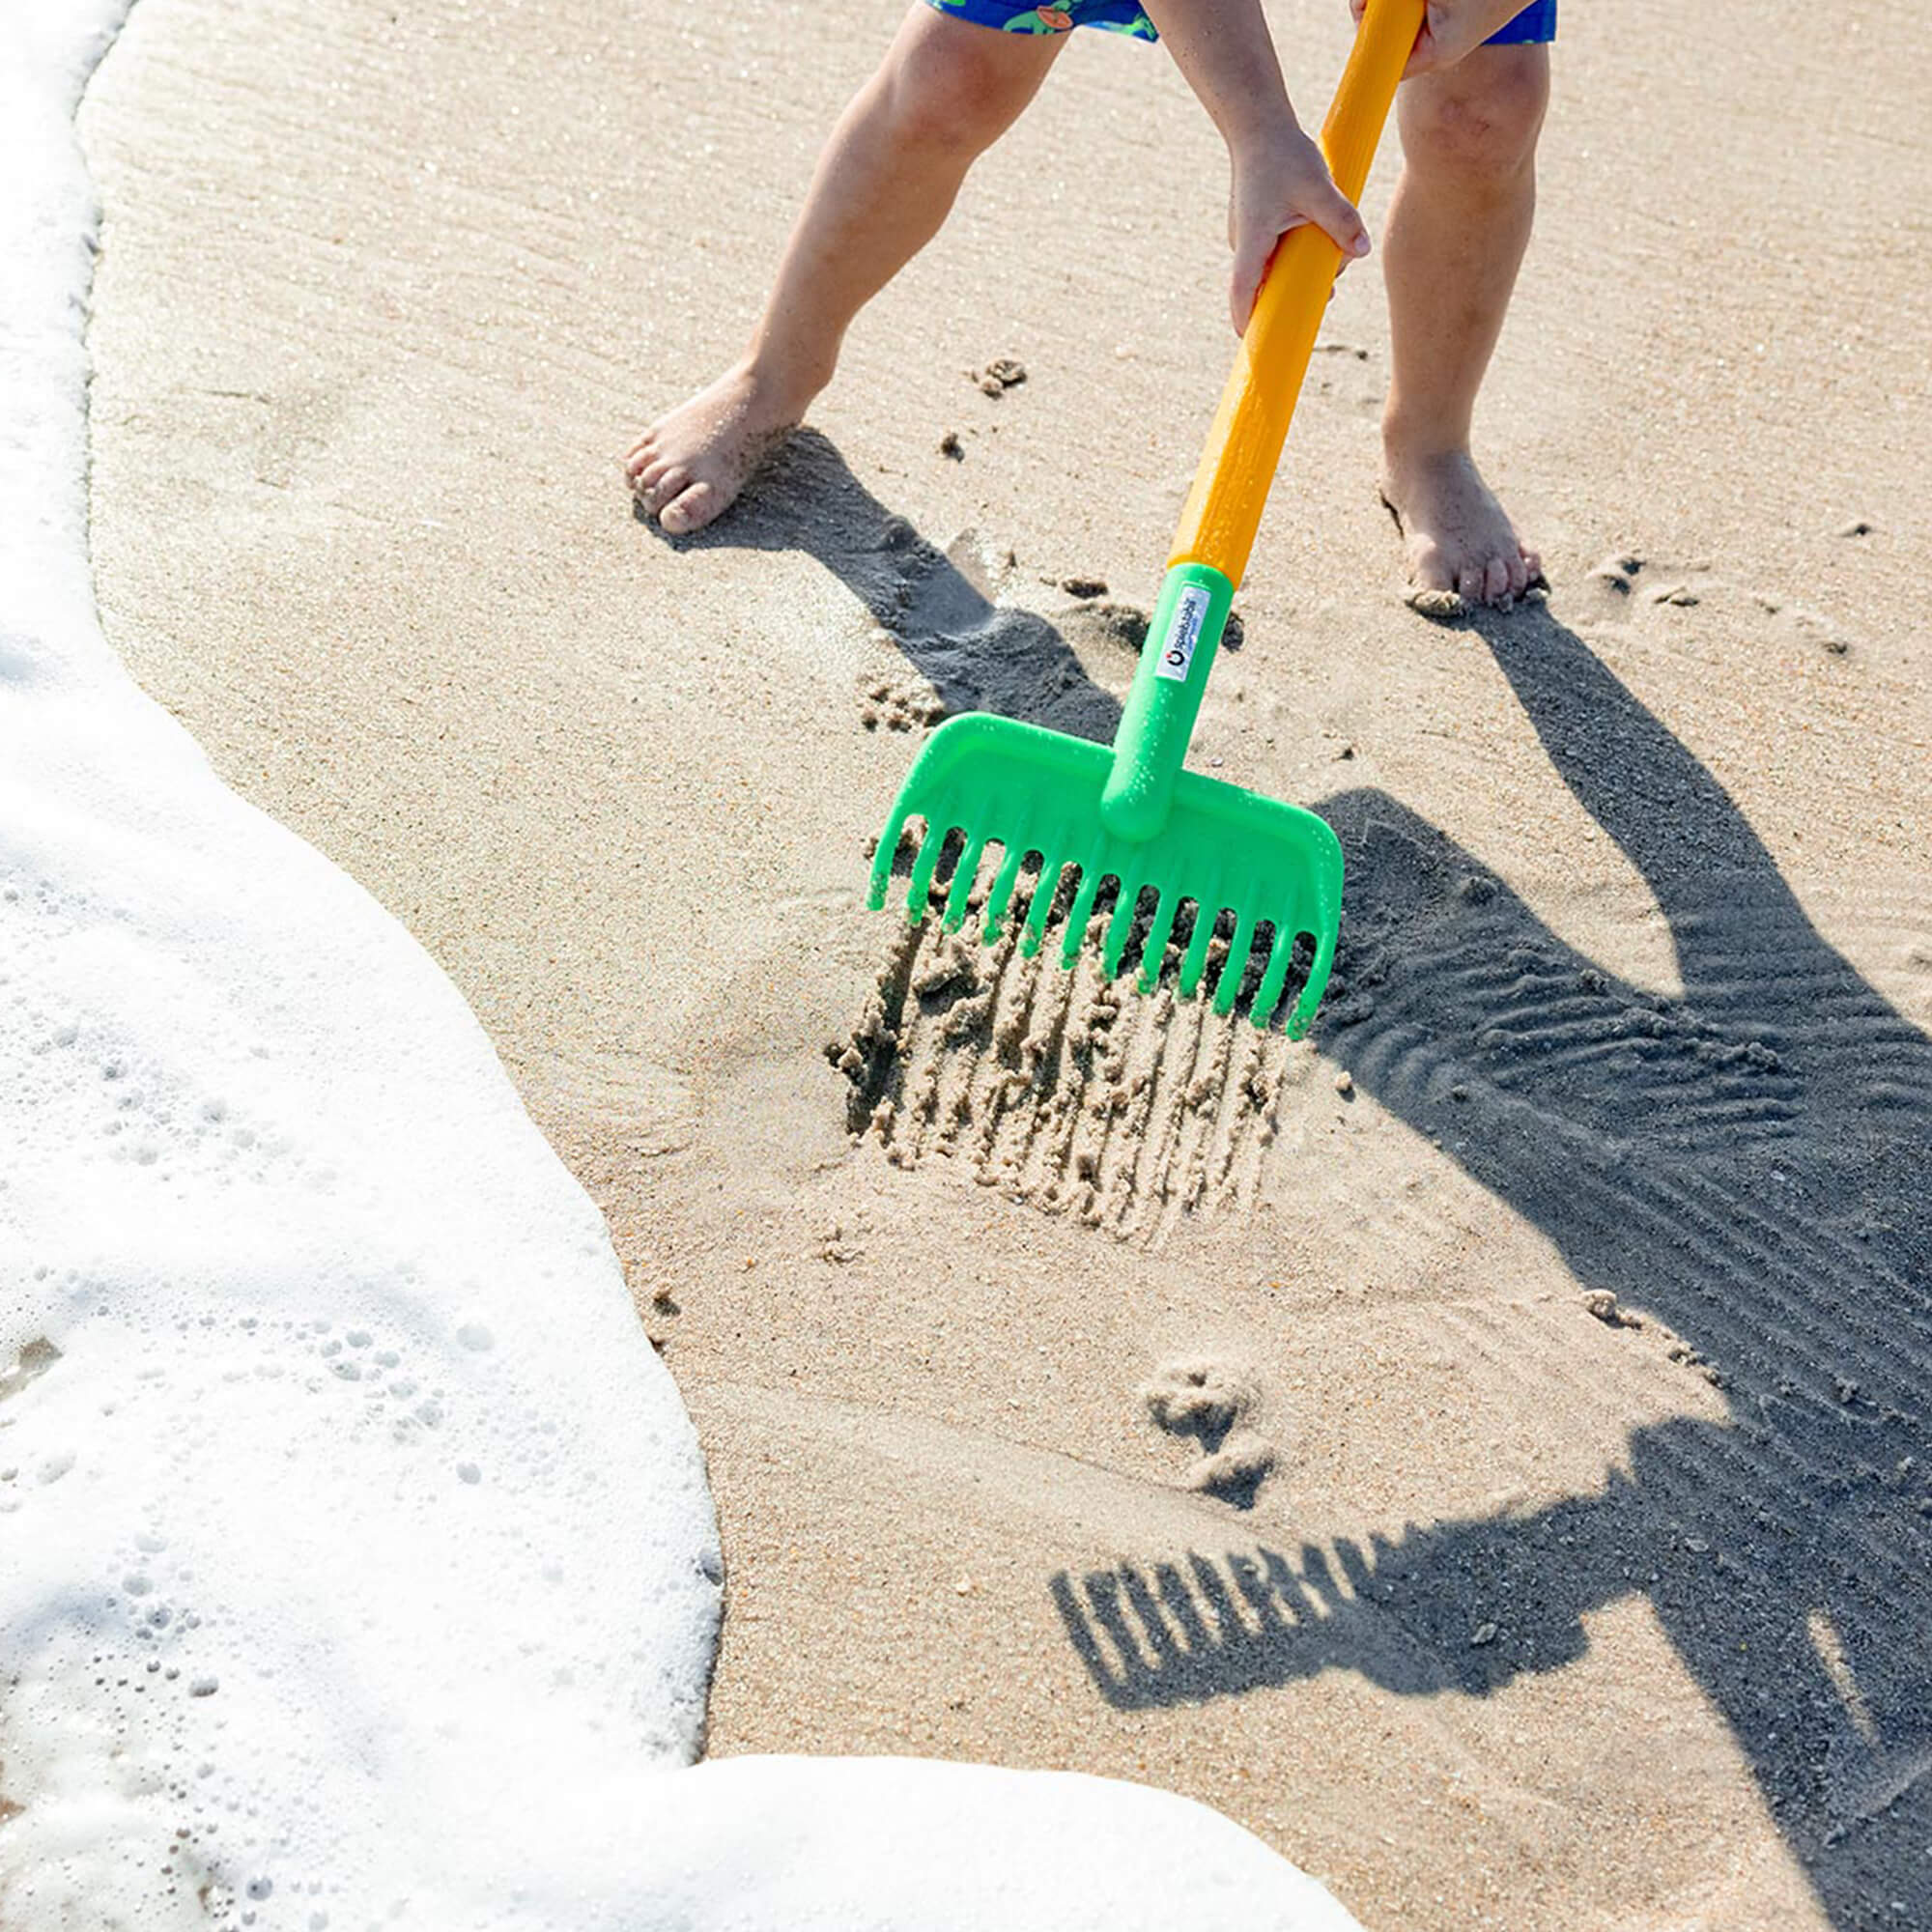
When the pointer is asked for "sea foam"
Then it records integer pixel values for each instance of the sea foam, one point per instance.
(356, 1566)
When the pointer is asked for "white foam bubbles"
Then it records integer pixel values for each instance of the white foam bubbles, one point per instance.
(261, 1167)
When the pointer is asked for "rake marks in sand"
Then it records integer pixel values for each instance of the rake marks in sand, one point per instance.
(1060, 1086)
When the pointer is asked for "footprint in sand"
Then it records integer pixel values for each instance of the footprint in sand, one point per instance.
(1625, 580)
(1626, 586)
(1106, 625)
(1210, 1402)
(898, 701)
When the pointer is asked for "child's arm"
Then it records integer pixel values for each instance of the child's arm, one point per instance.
(1279, 179)
(1452, 29)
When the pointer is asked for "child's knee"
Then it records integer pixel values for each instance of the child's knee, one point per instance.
(959, 86)
(1479, 119)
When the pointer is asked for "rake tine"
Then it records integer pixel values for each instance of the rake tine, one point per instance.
(1299, 1019)
(883, 857)
(1234, 968)
(1281, 956)
(1042, 800)
(923, 868)
(1091, 875)
(963, 876)
(1121, 927)
(1156, 949)
(1207, 910)
(1002, 893)
(1041, 909)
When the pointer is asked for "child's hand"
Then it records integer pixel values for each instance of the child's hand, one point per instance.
(1453, 28)
(1280, 183)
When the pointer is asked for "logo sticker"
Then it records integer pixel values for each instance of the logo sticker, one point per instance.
(1177, 654)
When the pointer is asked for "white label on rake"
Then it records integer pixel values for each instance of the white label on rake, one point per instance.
(1177, 655)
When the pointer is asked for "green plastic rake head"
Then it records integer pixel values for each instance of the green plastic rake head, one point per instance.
(1130, 815)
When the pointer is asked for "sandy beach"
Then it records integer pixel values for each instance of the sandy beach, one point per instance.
(1555, 1554)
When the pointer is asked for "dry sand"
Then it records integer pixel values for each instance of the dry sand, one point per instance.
(1498, 1607)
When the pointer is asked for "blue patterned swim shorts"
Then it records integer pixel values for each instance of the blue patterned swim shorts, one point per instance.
(1536, 22)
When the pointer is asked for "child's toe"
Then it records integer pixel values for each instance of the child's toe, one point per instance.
(668, 484)
(1429, 569)
(692, 510)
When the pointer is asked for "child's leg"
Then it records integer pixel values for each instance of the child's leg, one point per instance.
(946, 91)
(1456, 231)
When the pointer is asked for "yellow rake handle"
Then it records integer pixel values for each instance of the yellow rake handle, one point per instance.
(1224, 507)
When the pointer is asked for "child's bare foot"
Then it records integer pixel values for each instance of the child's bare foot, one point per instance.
(1463, 549)
(688, 466)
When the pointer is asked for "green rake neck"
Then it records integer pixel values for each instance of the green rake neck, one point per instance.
(1164, 699)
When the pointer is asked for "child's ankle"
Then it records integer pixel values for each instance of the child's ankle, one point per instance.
(1412, 438)
(784, 383)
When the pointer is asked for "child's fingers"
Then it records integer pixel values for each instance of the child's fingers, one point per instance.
(1337, 216)
(1344, 228)
(1244, 278)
